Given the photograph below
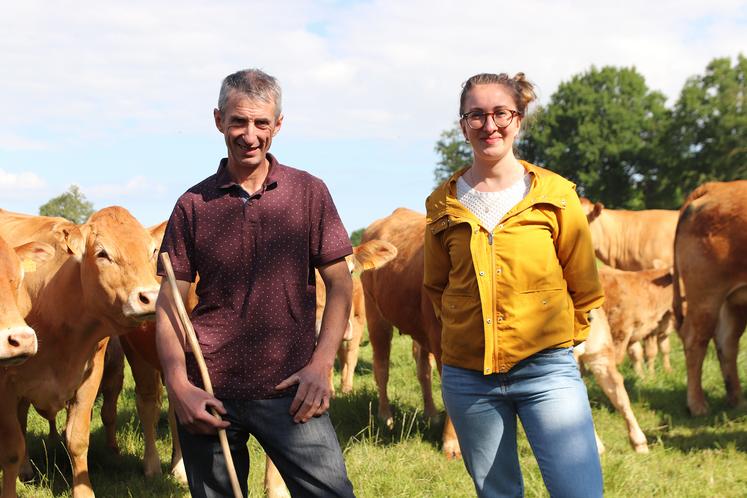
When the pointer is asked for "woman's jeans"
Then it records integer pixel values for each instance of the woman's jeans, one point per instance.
(548, 395)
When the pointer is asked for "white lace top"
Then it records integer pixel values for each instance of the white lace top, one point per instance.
(490, 207)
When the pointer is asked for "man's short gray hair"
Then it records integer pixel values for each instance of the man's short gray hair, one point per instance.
(255, 84)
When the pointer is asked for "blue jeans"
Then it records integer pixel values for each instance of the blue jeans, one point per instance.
(548, 395)
(307, 455)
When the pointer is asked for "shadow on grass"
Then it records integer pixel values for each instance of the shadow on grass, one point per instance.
(53, 470)
(354, 416)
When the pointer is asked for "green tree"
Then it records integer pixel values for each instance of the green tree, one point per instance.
(602, 130)
(356, 236)
(71, 205)
(455, 153)
(708, 133)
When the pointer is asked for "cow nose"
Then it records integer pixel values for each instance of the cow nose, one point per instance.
(145, 298)
(19, 342)
(141, 303)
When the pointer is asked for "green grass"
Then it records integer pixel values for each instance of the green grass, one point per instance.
(690, 457)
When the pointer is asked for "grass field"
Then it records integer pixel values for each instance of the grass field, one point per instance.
(703, 457)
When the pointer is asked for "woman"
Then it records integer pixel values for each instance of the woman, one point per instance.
(510, 270)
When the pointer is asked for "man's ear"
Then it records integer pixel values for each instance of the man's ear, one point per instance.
(278, 124)
(218, 116)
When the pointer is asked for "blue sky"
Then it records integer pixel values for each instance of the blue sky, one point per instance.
(117, 97)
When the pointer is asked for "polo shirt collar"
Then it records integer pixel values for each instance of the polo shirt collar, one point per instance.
(224, 180)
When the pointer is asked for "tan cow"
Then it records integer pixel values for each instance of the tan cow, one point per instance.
(17, 340)
(106, 280)
(599, 354)
(638, 305)
(395, 298)
(711, 280)
(631, 240)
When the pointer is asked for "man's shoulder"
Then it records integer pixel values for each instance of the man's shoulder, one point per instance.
(297, 176)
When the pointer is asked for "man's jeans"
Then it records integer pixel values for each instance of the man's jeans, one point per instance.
(307, 455)
(548, 395)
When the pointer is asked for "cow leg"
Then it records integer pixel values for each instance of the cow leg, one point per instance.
(111, 387)
(177, 462)
(651, 349)
(665, 348)
(449, 439)
(729, 329)
(422, 361)
(697, 330)
(348, 357)
(635, 351)
(78, 428)
(609, 379)
(380, 335)
(148, 401)
(274, 484)
(13, 447)
(26, 471)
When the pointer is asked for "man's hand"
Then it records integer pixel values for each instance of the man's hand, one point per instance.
(312, 397)
(192, 405)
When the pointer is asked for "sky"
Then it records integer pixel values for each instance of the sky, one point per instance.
(117, 97)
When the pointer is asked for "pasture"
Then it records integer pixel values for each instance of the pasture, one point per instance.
(690, 457)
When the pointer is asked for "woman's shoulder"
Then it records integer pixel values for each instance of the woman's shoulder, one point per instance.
(549, 180)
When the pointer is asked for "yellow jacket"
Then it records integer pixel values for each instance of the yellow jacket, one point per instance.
(525, 287)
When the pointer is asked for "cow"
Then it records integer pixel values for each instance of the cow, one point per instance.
(99, 279)
(633, 240)
(395, 298)
(599, 353)
(18, 341)
(710, 283)
(638, 305)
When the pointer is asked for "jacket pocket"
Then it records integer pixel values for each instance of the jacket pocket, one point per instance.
(462, 334)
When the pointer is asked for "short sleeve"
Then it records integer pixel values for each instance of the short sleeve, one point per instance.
(328, 239)
(178, 242)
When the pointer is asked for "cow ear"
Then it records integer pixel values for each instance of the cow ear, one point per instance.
(598, 206)
(33, 253)
(157, 231)
(373, 254)
(75, 240)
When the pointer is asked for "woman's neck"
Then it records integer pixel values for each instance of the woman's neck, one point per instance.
(492, 177)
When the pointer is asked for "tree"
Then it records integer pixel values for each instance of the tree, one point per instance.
(602, 130)
(356, 236)
(708, 133)
(71, 205)
(455, 153)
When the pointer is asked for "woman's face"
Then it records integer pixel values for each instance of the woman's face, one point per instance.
(490, 143)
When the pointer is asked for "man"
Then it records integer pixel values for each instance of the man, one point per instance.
(254, 232)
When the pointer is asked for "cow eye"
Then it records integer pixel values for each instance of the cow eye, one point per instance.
(103, 254)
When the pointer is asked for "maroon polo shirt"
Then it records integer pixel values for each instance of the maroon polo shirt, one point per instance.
(255, 256)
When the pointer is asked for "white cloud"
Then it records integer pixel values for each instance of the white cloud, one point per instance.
(138, 186)
(109, 68)
(15, 185)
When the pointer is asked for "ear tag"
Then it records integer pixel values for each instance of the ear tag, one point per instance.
(28, 265)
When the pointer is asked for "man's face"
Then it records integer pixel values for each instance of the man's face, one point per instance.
(248, 126)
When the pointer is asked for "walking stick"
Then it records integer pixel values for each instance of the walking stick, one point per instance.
(192, 338)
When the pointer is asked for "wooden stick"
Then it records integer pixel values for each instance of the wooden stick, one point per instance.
(195, 346)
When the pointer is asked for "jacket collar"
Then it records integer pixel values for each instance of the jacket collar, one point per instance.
(546, 188)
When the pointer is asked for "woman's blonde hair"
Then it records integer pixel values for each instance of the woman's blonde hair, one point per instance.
(521, 89)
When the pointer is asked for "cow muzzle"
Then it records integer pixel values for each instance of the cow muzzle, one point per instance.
(141, 304)
(17, 344)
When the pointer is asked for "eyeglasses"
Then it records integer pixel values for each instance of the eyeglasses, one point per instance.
(501, 118)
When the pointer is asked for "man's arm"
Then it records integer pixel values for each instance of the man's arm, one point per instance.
(312, 397)
(190, 402)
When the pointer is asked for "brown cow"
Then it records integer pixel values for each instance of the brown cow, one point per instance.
(395, 297)
(631, 240)
(17, 340)
(599, 354)
(711, 276)
(106, 280)
(638, 305)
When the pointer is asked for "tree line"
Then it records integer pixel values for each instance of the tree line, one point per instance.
(617, 139)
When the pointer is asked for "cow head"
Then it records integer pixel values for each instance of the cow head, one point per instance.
(117, 277)
(592, 210)
(17, 340)
(367, 256)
